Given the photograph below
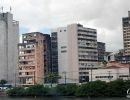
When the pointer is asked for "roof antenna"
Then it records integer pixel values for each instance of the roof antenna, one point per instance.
(10, 9)
(2, 8)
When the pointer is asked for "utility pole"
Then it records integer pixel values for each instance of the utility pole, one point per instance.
(15, 78)
(34, 77)
(91, 72)
(10, 9)
(109, 75)
(65, 76)
(2, 9)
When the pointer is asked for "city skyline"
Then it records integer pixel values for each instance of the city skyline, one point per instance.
(105, 16)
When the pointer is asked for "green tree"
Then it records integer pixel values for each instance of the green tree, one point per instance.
(17, 91)
(116, 88)
(37, 90)
(92, 89)
(67, 89)
(52, 78)
(3, 82)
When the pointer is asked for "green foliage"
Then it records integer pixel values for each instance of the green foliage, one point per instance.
(127, 85)
(37, 90)
(2, 82)
(116, 88)
(52, 78)
(104, 62)
(95, 89)
(18, 91)
(67, 89)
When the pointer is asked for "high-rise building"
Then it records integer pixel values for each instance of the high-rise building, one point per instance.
(9, 33)
(34, 58)
(54, 52)
(101, 51)
(77, 52)
(126, 34)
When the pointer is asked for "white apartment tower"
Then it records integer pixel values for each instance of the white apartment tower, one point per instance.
(77, 52)
(9, 33)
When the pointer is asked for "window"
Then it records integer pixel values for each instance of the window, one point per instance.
(34, 34)
(63, 51)
(104, 77)
(63, 47)
(20, 73)
(24, 36)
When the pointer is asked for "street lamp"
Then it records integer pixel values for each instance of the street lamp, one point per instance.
(109, 77)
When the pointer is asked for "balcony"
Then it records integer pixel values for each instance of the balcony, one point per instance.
(27, 54)
(27, 38)
(22, 65)
(27, 70)
(23, 60)
(32, 75)
(27, 84)
(25, 49)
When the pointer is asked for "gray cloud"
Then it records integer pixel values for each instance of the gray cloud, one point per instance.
(104, 15)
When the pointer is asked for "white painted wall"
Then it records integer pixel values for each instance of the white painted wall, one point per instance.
(115, 72)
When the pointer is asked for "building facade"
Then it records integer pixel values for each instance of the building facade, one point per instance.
(126, 34)
(34, 58)
(111, 72)
(77, 52)
(54, 52)
(118, 56)
(101, 51)
(9, 37)
(125, 59)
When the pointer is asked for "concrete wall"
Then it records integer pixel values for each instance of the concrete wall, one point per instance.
(10, 33)
(62, 53)
(68, 54)
(73, 53)
(3, 51)
(113, 74)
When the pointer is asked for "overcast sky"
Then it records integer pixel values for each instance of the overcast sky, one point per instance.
(44, 15)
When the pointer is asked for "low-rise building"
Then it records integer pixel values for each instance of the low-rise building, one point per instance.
(111, 72)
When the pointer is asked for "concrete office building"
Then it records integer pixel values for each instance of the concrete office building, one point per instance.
(9, 33)
(77, 52)
(34, 58)
(101, 51)
(126, 34)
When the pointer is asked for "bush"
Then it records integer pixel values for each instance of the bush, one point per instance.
(67, 89)
(94, 89)
(18, 91)
(116, 88)
(37, 90)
